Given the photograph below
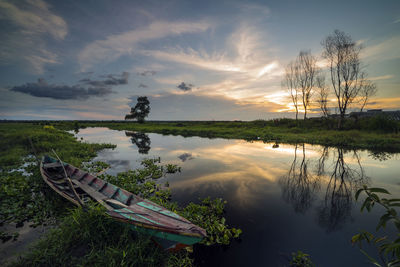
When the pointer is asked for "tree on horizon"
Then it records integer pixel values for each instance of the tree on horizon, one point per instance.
(140, 111)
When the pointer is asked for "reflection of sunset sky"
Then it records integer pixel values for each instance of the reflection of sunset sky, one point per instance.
(242, 166)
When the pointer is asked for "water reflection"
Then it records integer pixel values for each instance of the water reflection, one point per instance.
(299, 186)
(344, 180)
(185, 156)
(141, 140)
(284, 197)
(380, 155)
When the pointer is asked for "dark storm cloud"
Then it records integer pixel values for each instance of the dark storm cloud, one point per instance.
(43, 89)
(185, 87)
(147, 73)
(111, 80)
(142, 86)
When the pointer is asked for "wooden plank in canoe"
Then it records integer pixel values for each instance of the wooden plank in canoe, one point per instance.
(93, 193)
(51, 165)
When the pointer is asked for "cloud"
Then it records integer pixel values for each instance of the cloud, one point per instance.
(114, 46)
(83, 90)
(185, 87)
(111, 80)
(147, 73)
(62, 92)
(387, 49)
(383, 77)
(245, 51)
(216, 61)
(23, 40)
(141, 85)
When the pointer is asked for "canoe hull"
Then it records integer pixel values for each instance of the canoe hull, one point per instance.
(169, 229)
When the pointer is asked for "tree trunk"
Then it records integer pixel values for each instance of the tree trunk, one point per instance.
(340, 122)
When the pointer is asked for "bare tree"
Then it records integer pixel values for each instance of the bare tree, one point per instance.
(306, 77)
(347, 76)
(323, 94)
(368, 90)
(289, 83)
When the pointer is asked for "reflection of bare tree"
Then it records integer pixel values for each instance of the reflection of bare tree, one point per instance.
(321, 162)
(299, 186)
(141, 140)
(335, 209)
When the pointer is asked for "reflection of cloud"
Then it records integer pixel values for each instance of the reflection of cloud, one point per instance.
(119, 163)
(311, 151)
(241, 157)
(185, 156)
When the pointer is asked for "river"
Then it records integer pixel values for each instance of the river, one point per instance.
(284, 197)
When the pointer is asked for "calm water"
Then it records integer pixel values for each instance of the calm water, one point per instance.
(284, 198)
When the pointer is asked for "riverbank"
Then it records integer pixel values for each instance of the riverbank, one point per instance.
(378, 134)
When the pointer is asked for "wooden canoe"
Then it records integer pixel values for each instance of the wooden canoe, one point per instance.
(171, 230)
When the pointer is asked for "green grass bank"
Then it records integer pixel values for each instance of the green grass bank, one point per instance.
(377, 133)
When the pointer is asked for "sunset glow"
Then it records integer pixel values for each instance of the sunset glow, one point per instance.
(79, 61)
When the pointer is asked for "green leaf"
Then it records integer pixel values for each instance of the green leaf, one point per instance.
(382, 221)
(372, 260)
(378, 190)
(358, 193)
(356, 238)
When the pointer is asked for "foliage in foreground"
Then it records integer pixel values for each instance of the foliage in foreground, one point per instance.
(92, 239)
(24, 196)
(389, 250)
(301, 259)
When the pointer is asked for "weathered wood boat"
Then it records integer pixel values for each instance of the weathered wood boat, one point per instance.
(170, 230)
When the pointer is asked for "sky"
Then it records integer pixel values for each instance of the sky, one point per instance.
(194, 60)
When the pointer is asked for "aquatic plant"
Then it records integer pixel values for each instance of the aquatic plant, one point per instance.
(389, 250)
(301, 259)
